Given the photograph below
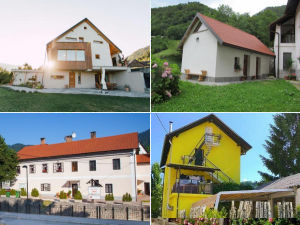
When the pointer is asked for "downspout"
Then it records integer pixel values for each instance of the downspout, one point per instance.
(278, 53)
(134, 158)
(168, 195)
(178, 192)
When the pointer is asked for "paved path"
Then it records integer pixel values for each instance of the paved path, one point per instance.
(296, 84)
(88, 91)
(32, 219)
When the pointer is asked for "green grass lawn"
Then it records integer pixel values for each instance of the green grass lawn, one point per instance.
(258, 96)
(13, 101)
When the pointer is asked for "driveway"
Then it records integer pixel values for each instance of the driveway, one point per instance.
(31, 219)
(88, 91)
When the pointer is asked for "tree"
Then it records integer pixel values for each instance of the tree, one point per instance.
(8, 162)
(26, 66)
(156, 191)
(283, 147)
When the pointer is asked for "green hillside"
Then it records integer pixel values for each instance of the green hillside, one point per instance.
(142, 54)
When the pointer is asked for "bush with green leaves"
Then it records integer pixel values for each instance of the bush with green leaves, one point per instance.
(35, 192)
(5, 76)
(78, 195)
(127, 197)
(165, 80)
(63, 195)
(23, 192)
(158, 44)
(109, 197)
(13, 192)
(228, 186)
(2, 192)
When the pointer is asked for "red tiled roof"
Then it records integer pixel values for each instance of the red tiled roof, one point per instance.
(233, 36)
(111, 143)
(143, 158)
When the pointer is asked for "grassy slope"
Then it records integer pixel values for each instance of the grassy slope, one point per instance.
(260, 96)
(12, 101)
(172, 55)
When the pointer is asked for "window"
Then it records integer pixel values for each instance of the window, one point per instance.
(71, 38)
(92, 165)
(287, 56)
(74, 166)
(116, 164)
(45, 168)
(97, 56)
(197, 27)
(288, 31)
(81, 39)
(98, 42)
(108, 188)
(79, 77)
(58, 167)
(237, 63)
(18, 170)
(71, 55)
(85, 28)
(45, 187)
(31, 168)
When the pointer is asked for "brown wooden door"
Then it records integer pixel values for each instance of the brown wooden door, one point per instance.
(245, 70)
(74, 189)
(147, 188)
(71, 79)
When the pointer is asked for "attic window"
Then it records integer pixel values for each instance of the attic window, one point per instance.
(197, 39)
(85, 28)
(98, 42)
(97, 56)
(197, 27)
(71, 38)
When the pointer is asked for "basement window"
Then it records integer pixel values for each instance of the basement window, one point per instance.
(58, 167)
(45, 187)
(108, 188)
(31, 168)
(97, 56)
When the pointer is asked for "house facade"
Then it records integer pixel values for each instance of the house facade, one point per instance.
(111, 164)
(224, 53)
(195, 157)
(83, 57)
(285, 33)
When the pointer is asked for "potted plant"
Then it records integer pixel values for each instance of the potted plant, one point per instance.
(127, 88)
(140, 192)
(292, 76)
(13, 193)
(69, 194)
(63, 196)
(35, 193)
(78, 197)
(109, 197)
(3, 193)
(127, 197)
(23, 193)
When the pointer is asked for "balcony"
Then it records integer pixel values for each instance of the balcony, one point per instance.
(189, 186)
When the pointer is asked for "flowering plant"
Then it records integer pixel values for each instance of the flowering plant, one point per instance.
(165, 80)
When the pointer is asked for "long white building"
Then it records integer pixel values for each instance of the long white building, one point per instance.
(116, 164)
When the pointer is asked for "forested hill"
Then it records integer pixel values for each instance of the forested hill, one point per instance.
(172, 21)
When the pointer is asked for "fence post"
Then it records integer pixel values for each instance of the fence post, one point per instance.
(97, 213)
(50, 209)
(17, 207)
(60, 207)
(113, 212)
(142, 213)
(84, 211)
(127, 213)
(39, 208)
(72, 210)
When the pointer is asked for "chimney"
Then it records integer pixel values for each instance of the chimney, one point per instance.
(43, 141)
(170, 126)
(68, 138)
(93, 134)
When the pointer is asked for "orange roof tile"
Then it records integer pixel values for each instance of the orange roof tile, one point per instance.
(143, 158)
(233, 36)
(103, 144)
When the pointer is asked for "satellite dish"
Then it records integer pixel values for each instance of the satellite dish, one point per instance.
(73, 135)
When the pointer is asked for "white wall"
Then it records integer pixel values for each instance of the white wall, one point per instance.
(23, 76)
(134, 79)
(142, 175)
(123, 180)
(200, 55)
(90, 35)
(225, 62)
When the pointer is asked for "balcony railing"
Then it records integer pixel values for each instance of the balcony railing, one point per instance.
(192, 187)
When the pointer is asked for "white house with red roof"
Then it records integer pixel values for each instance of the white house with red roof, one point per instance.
(222, 53)
(285, 33)
(113, 164)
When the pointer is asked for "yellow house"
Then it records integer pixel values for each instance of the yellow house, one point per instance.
(195, 157)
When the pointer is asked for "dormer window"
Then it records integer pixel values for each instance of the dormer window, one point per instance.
(81, 39)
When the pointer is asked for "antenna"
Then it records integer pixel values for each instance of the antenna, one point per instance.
(73, 135)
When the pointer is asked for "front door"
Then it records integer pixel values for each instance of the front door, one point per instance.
(71, 79)
(98, 80)
(74, 189)
(147, 188)
(245, 70)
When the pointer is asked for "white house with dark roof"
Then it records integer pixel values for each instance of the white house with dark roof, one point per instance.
(219, 52)
(115, 164)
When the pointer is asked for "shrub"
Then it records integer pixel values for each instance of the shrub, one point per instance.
(69, 194)
(78, 195)
(23, 192)
(35, 192)
(109, 197)
(62, 195)
(227, 186)
(2, 192)
(13, 192)
(127, 198)
(165, 80)
(158, 44)
(5, 76)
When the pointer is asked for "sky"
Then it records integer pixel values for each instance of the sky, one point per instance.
(27, 26)
(252, 127)
(252, 7)
(28, 128)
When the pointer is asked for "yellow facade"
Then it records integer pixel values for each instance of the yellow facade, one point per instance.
(225, 156)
